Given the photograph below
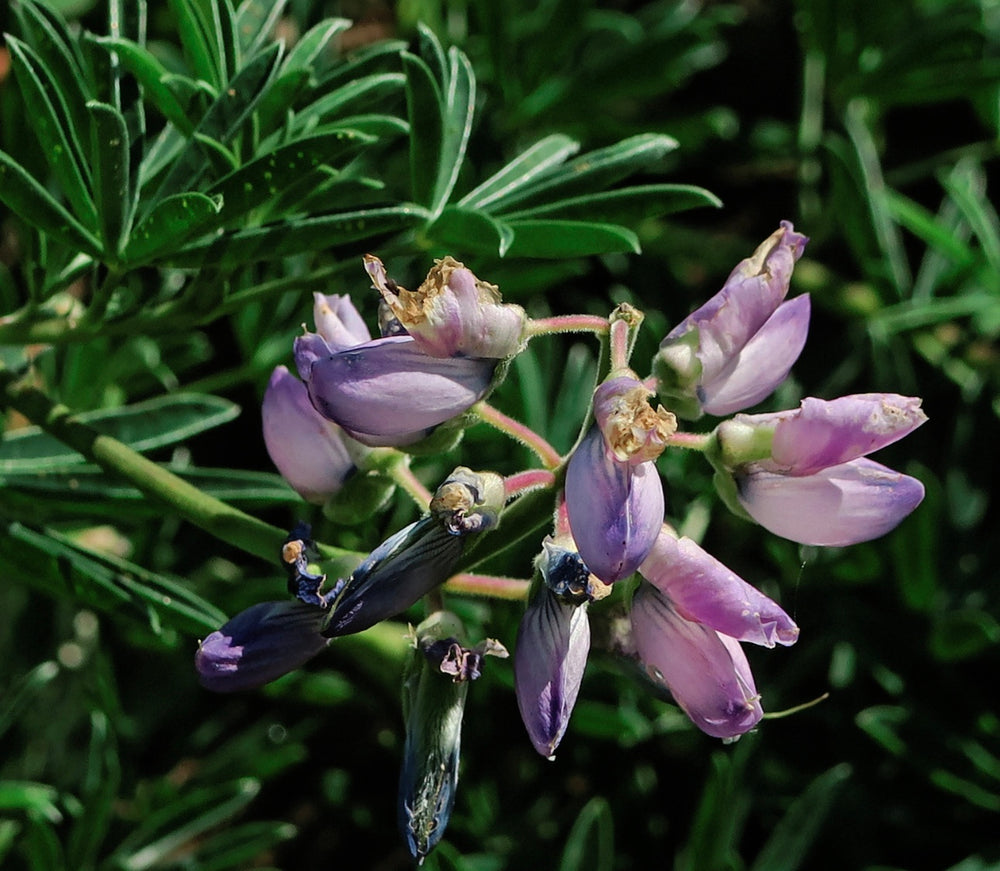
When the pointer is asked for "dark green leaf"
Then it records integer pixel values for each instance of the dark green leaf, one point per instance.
(470, 230)
(624, 205)
(221, 122)
(242, 846)
(963, 634)
(789, 842)
(255, 22)
(59, 567)
(298, 236)
(459, 109)
(264, 178)
(172, 221)
(23, 795)
(313, 43)
(363, 91)
(522, 170)
(59, 141)
(589, 172)
(552, 238)
(30, 201)
(591, 842)
(425, 111)
(200, 40)
(154, 80)
(143, 426)
(110, 160)
(432, 53)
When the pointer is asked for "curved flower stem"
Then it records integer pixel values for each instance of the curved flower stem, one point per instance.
(691, 441)
(619, 344)
(490, 586)
(566, 324)
(515, 429)
(409, 483)
(530, 479)
(225, 522)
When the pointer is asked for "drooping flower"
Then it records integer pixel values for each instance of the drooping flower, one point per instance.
(259, 645)
(688, 616)
(314, 455)
(435, 688)
(614, 496)
(452, 313)
(803, 475)
(737, 348)
(553, 642)
(420, 557)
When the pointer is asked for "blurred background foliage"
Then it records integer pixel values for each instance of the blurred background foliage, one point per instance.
(544, 144)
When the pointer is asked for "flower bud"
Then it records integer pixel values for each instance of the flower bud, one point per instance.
(734, 351)
(453, 313)
(259, 645)
(615, 508)
(313, 454)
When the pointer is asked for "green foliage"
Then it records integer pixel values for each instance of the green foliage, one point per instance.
(174, 184)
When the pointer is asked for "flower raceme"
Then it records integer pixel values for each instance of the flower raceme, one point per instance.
(739, 346)
(438, 357)
(803, 473)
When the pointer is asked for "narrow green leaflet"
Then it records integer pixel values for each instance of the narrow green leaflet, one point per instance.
(154, 79)
(460, 106)
(55, 565)
(142, 426)
(47, 34)
(30, 201)
(470, 230)
(222, 120)
(362, 92)
(255, 22)
(258, 181)
(929, 228)
(424, 103)
(625, 205)
(589, 172)
(199, 40)
(110, 159)
(967, 185)
(59, 141)
(172, 221)
(25, 795)
(552, 238)
(522, 170)
(241, 846)
(297, 236)
(313, 43)
(590, 845)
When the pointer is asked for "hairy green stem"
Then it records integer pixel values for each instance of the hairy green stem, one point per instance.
(490, 586)
(566, 324)
(515, 429)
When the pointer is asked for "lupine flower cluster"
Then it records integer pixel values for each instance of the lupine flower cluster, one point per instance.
(803, 474)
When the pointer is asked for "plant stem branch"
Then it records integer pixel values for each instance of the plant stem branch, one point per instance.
(515, 429)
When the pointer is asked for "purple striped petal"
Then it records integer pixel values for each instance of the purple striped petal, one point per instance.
(838, 506)
(389, 392)
(259, 645)
(703, 590)
(707, 673)
(549, 661)
(763, 363)
(615, 509)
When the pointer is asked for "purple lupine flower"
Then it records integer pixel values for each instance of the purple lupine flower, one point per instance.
(802, 473)
(737, 348)
(614, 496)
(259, 645)
(314, 455)
(703, 590)
(339, 322)
(453, 313)
(706, 672)
(553, 642)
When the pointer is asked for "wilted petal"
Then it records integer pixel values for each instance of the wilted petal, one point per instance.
(338, 321)
(706, 673)
(260, 645)
(764, 362)
(310, 451)
(388, 392)
(838, 506)
(552, 646)
(400, 571)
(452, 313)
(632, 430)
(703, 590)
(615, 509)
